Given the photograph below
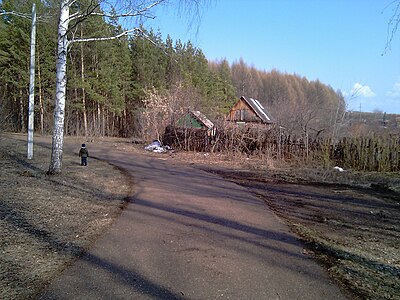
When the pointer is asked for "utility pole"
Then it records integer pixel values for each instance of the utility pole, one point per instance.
(31, 106)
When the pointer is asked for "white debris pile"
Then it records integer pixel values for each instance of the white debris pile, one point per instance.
(339, 169)
(156, 147)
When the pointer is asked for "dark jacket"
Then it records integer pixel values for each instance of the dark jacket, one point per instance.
(84, 152)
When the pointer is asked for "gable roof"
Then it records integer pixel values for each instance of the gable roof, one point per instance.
(195, 119)
(202, 118)
(259, 110)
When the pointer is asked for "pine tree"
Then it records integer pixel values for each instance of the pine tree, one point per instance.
(14, 60)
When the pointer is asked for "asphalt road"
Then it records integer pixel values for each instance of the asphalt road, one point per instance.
(188, 234)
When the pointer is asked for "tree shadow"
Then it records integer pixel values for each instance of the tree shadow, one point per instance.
(66, 248)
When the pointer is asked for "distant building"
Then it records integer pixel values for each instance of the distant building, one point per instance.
(197, 120)
(192, 131)
(249, 110)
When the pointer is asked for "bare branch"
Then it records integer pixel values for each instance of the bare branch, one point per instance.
(133, 13)
(43, 18)
(140, 12)
(26, 16)
(81, 18)
(126, 32)
(74, 16)
(393, 24)
(71, 2)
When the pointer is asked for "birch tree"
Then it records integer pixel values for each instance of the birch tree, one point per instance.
(73, 12)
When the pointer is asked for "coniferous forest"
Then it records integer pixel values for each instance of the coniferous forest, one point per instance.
(122, 87)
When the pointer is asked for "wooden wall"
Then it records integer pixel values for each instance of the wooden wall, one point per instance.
(242, 112)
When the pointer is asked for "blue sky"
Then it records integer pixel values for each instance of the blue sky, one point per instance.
(339, 42)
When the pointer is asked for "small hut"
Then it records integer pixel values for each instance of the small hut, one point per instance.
(192, 131)
(195, 119)
(249, 110)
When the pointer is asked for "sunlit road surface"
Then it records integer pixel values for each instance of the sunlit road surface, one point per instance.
(187, 234)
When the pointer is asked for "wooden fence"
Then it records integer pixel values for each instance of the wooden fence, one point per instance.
(368, 154)
(380, 154)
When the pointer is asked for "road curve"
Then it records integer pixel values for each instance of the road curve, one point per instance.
(188, 234)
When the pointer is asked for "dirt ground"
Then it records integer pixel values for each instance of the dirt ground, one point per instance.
(46, 222)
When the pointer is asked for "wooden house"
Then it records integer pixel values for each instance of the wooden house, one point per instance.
(197, 120)
(192, 131)
(249, 110)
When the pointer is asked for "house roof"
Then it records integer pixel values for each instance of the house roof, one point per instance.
(202, 118)
(258, 109)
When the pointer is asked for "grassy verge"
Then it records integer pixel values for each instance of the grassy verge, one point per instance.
(46, 222)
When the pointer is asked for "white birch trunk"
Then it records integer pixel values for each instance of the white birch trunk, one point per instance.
(61, 83)
(31, 102)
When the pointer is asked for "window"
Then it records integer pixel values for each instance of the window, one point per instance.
(242, 115)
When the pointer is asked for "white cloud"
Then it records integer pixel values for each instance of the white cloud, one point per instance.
(360, 90)
(395, 91)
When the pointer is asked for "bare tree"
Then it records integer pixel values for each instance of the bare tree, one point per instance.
(163, 109)
(66, 29)
(393, 23)
(156, 114)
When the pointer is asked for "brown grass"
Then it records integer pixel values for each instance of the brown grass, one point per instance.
(46, 222)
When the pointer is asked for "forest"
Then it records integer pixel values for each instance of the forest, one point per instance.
(122, 87)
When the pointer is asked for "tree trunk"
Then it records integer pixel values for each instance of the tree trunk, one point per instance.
(113, 124)
(108, 122)
(124, 123)
(103, 121)
(22, 111)
(98, 119)
(85, 125)
(41, 109)
(94, 119)
(31, 102)
(77, 119)
(61, 82)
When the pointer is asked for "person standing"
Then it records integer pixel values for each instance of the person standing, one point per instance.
(83, 154)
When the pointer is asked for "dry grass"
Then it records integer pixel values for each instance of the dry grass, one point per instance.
(46, 222)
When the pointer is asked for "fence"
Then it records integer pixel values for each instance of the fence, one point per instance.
(363, 154)
(369, 154)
